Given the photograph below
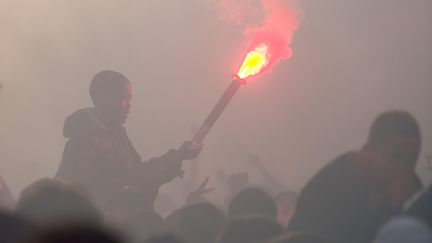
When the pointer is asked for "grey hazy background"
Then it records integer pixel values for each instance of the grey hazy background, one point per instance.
(352, 60)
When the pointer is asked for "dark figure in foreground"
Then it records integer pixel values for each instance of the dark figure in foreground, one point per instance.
(141, 225)
(249, 229)
(164, 238)
(14, 229)
(50, 202)
(77, 233)
(100, 156)
(196, 223)
(299, 237)
(351, 197)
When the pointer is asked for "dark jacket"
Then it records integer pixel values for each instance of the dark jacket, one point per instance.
(104, 161)
(338, 203)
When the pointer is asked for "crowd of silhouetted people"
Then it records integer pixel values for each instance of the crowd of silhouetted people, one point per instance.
(56, 211)
(104, 193)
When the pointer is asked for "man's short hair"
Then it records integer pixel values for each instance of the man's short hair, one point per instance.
(105, 83)
(393, 124)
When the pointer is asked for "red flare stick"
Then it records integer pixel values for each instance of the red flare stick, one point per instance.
(218, 109)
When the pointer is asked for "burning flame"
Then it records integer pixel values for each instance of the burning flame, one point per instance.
(254, 61)
(270, 25)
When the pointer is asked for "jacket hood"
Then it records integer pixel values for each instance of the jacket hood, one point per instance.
(83, 122)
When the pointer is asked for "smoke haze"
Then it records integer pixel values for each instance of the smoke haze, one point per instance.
(352, 60)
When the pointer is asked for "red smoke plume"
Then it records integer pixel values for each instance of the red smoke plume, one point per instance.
(268, 22)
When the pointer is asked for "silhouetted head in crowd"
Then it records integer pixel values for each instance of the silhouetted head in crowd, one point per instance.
(392, 150)
(252, 201)
(78, 234)
(111, 94)
(249, 229)
(14, 229)
(196, 223)
(142, 225)
(395, 137)
(299, 237)
(164, 238)
(286, 203)
(49, 202)
(353, 195)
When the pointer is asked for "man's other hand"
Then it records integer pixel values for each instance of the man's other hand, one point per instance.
(198, 195)
(189, 150)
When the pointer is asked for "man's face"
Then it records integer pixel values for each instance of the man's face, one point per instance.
(402, 158)
(398, 156)
(116, 105)
(403, 153)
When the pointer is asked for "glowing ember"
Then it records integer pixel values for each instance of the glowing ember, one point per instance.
(254, 61)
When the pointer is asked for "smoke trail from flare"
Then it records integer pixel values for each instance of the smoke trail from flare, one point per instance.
(270, 23)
